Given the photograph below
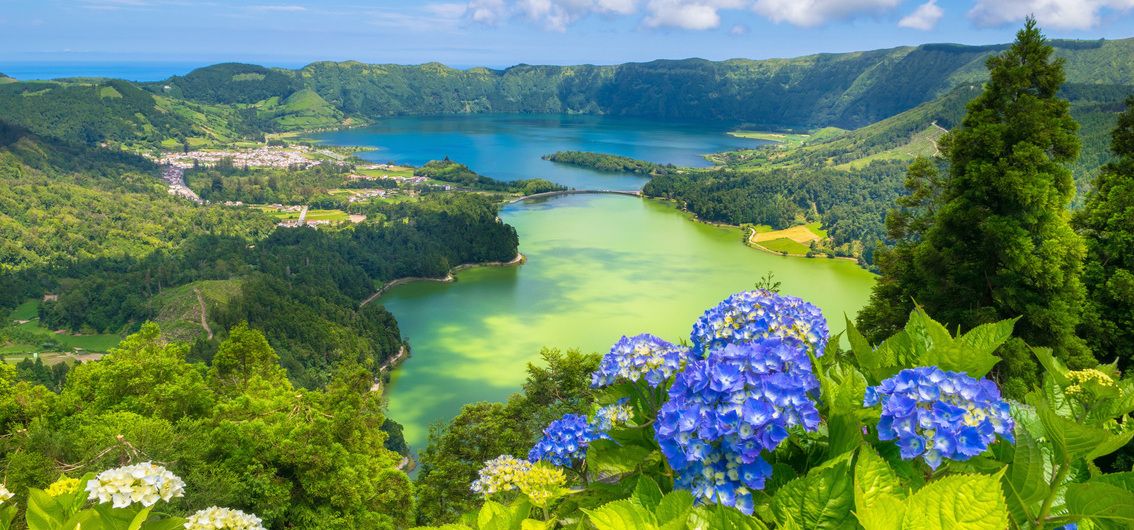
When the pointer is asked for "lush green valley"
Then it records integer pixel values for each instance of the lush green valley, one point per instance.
(252, 364)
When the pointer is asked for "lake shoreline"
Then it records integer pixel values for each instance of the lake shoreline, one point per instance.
(449, 276)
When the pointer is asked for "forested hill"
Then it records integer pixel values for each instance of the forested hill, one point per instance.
(847, 90)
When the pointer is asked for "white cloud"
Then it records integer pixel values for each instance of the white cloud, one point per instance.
(1063, 14)
(555, 15)
(739, 29)
(447, 10)
(686, 14)
(283, 8)
(810, 13)
(925, 17)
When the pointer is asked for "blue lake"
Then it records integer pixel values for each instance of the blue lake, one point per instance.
(509, 146)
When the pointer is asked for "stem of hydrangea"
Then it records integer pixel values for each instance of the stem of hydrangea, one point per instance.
(1045, 510)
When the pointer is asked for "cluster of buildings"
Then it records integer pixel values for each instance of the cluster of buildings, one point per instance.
(274, 157)
(175, 177)
(363, 195)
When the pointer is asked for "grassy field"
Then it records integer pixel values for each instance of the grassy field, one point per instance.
(327, 215)
(394, 171)
(178, 311)
(924, 143)
(785, 139)
(784, 244)
(30, 337)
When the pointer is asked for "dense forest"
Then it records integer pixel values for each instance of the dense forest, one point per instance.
(608, 163)
(459, 174)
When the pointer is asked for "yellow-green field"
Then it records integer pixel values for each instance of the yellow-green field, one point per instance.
(393, 171)
(794, 240)
(337, 216)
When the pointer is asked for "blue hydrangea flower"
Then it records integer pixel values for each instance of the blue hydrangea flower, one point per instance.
(640, 357)
(752, 315)
(936, 414)
(725, 411)
(565, 441)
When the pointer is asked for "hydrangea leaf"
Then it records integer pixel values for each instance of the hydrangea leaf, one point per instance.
(877, 491)
(674, 506)
(872, 360)
(973, 502)
(621, 515)
(494, 516)
(647, 493)
(532, 524)
(981, 342)
(705, 518)
(925, 333)
(608, 457)
(1025, 482)
(874, 476)
(1052, 365)
(822, 499)
(1073, 440)
(1102, 503)
(1123, 480)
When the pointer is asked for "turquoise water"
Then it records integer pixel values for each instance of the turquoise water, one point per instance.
(598, 267)
(509, 146)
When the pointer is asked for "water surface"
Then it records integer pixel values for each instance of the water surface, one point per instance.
(509, 146)
(599, 266)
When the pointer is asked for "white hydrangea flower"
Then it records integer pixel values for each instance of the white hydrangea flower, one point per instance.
(216, 518)
(4, 494)
(144, 483)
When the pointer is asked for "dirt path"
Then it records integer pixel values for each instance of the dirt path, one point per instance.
(204, 313)
(936, 149)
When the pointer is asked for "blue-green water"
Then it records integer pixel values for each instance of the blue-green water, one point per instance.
(509, 146)
(598, 266)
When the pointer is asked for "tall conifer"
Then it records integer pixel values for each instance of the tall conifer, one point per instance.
(1107, 223)
(1000, 244)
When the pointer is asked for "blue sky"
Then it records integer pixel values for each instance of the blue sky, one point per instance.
(504, 32)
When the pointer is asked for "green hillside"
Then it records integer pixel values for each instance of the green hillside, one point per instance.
(178, 310)
(847, 90)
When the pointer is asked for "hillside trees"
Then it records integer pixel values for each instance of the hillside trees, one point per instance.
(1107, 224)
(1000, 244)
(297, 458)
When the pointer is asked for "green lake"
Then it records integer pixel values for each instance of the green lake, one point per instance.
(599, 267)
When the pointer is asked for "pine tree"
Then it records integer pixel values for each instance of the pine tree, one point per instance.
(999, 244)
(1107, 223)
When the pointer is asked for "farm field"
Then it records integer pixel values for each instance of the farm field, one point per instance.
(26, 336)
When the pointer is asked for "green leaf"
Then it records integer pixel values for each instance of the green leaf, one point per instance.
(925, 333)
(621, 515)
(1051, 365)
(674, 506)
(1101, 502)
(140, 518)
(494, 516)
(609, 457)
(1073, 440)
(647, 493)
(7, 515)
(721, 517)
(876, 492)
(169, 523)
(824, 498)
(869, 359)
(981, 343)
(43, 512)
(1124, 480)
(973, 502)
(1025, 482)
(532, 524)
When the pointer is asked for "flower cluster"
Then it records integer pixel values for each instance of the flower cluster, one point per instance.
(143, 483)
(1088, 380)
(725, 410)
(937, 414)
(640, 357)
(63, 486)
(542, 484)
(499, 475)
(565, 441)
(752, 315)
(614, 415)
(4, 494)
(215, 518)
